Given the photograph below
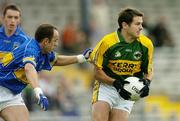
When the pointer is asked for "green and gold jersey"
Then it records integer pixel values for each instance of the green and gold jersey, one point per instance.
(119, 59)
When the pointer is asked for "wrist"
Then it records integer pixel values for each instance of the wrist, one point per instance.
(148, 81)
(38, 91)
(114, 82)
(80, 58)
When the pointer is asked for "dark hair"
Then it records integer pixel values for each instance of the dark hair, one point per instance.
(127, 16)
(11, 7)
(44, 31)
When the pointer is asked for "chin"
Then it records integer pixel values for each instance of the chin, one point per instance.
(137, 35)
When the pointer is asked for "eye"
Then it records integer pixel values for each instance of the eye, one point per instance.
(16, 17)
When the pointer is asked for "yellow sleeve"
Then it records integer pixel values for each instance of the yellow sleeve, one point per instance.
(148, 43)
(96, 56)
(105, 43)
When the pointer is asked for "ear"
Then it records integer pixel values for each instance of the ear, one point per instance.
(19, 22)
(45, 41)
(124, 25)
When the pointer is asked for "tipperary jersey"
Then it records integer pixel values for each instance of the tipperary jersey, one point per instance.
(12, 73)
(10, 43)
(119, 59)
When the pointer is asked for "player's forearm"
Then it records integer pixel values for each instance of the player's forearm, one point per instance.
(149, 75)
(31, 75)
(101, 76)
(67, 60)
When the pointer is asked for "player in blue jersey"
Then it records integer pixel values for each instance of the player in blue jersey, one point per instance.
(11, 34)
(21, 66)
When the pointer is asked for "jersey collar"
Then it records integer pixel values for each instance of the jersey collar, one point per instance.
(120, 37)
(17, 32)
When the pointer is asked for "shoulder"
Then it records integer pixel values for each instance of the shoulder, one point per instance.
(22, 34)
(145, 41)
(110, 39)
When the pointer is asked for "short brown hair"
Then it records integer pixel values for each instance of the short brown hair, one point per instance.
(11, 7)
(127, 16)
(44, 31)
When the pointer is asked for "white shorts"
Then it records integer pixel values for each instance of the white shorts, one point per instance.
(109, 94)
(7, 98)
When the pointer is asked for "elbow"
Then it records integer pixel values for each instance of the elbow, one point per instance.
(28, 67)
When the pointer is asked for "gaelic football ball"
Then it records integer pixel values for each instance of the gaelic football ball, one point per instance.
(134, 87)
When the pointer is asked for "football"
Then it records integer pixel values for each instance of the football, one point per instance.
(134, 87)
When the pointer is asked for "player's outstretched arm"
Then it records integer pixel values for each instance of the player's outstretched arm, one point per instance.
(63, 60)
(32, 77)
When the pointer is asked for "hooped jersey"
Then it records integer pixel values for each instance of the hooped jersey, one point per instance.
(12, 42)
(12, 73)
(119, 59)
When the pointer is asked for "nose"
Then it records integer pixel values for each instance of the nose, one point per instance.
(56, 44)
(12, 19)
(141, 27)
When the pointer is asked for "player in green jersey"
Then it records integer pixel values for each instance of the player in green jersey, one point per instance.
(120, 54)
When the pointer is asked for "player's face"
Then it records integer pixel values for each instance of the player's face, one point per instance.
(53, 42)
(134, 29)
(11, 20)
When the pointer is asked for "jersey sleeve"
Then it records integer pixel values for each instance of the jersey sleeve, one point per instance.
(148, 67)
(97, 55)
(150, 60)
(50, 61)
(30, 56)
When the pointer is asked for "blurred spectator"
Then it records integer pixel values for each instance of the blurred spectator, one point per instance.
(49, 87)
(67, 104)
(99, 21)
(81, 41)
(161, 34)
(28, 98)
(69, 36)
(146, 27)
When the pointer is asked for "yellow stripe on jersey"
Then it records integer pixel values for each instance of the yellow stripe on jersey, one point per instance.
(2, 54)
(96, 56)
(148, 43)
(32, 59)
(124, 67)
(54, 61)
(95, 91)
(8, 57)
(20, 75)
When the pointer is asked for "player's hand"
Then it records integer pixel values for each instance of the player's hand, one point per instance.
(87, 52)
(41, 99)
(84, 56)
(145, 90)
(125, 94)
(119, 84)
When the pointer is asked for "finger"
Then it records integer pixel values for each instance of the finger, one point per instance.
(126, 82)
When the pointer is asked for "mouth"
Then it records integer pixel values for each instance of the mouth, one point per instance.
(138, 33)
(12, 25)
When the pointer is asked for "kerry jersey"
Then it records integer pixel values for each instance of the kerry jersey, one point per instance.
(119, 59)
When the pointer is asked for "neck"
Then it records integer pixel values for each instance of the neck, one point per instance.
(127, 37)
(42, 48)
(9, 32)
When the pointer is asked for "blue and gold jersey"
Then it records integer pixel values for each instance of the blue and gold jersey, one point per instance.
(12, 74)
(119, 59)
(10, 43)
